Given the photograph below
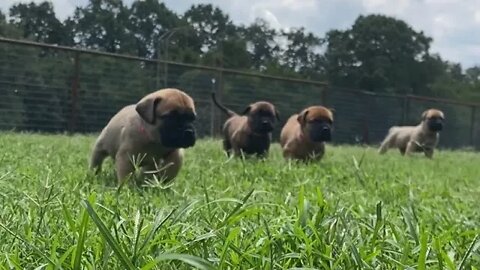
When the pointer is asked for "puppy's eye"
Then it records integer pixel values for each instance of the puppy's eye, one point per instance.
(165, 116)
(264, 113)
(321, 121)
(176, 116)
(189, 117)
(435, 118)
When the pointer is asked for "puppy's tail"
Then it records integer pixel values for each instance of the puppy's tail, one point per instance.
(224, 109)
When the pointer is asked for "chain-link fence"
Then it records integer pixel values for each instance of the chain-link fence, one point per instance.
(55, 89)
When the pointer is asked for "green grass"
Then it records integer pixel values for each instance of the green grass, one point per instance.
(354, 209)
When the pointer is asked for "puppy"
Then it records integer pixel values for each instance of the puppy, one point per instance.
(304, 135)
(251, 132)
(421, 138)
(154, 130)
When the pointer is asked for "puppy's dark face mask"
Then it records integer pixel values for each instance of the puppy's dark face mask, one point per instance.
(320, 130)
(262, 120)
(317, 127)
(177, 130)
(174, 126)
(435, 123)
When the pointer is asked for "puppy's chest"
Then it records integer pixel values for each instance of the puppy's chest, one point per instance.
(255, 144)
(426, 142)
(315, 149)
(154, 150)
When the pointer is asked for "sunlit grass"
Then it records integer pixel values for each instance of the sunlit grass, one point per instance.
(354, 209)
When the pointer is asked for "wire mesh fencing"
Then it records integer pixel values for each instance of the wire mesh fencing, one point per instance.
(58, 89)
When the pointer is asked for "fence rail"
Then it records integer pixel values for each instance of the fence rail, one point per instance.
(53, 88)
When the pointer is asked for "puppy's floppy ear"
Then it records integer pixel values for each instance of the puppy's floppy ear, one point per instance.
(146, 108)
(247, 110)
(302, 117)
(277, 114)
(424, 115)
(332, 112)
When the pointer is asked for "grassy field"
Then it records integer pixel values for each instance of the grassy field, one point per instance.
(353, 210)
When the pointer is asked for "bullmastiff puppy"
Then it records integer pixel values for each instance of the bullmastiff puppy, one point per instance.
(421, 138)
(154, 131)
(304, 135)
(249, 133)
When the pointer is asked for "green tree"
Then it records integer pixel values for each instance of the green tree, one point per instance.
(302, 52)
(262, 44)
(378, 53)
(211, 25)
(453, 82)
(149, 21)
(102, 24)
(222, 43)
(473, 75)
(8, 30)
(39, 22)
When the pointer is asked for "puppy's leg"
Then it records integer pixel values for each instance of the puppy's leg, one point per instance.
(287, 151)
(227, 146)
(166, 168)
(124, 166)
(237, 151)
(262, 152)
(287, 154)
(320, 152)
(385, 144)
(173, 163)
(98, 155)
(388, 142)
(429, 152)
(411, 148)
(237, 141)
(402, 150)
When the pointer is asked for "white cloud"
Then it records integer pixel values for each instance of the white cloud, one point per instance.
(453, 24)
(268, 16)
(63, 8)
(386, 6)
(477, 16)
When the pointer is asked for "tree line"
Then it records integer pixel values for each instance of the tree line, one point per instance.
(377, 53)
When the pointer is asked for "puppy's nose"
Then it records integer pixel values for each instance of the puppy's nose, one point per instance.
(189, 133)
(267, 126)
(189, 137)
(266, 123)
(325, 134)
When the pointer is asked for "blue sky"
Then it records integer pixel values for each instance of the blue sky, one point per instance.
(453, 24)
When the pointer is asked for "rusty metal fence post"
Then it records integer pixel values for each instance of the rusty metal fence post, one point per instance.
(165, 74)
(366, 116)
(324, 95)
(212, 111)
(217, 121)
(472, 126)
(406, 109)
(157, 74)
(74, 93)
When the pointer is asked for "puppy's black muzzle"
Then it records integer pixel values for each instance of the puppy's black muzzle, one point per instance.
(188, 138)
(435, 125)
(181, 137)
(321, 133)
(266, 127)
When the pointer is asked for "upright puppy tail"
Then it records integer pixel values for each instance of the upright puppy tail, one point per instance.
(224, 109)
